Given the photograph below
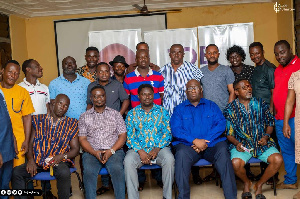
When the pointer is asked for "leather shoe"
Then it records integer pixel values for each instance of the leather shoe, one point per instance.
(287, 186)
(197, 180)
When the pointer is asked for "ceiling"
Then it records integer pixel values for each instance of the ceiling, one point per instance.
(35, 8)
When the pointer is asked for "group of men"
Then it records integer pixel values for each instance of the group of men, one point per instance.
(196, 111)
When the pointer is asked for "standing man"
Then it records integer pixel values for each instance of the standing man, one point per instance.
(197, 125)
(148, 139)
(8, 147)
(72, 85)
(289, 63)
(132, 67)
(19, 106)
(102, 134)
(53, 136)
(89, 70)
(263, 76)
(38, 92)
(251, 131)
(218, 79)
(115, 92)
(119, 65)
(143, 74)
(176, 75)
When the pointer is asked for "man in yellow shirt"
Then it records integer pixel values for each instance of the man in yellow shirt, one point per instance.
(19, 106)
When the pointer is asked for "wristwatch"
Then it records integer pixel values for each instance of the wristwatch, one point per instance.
(112, 151)
(65, 156)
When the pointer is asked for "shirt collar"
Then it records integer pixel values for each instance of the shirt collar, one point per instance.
(63, 78)
(138, 74)
(155, 106)
(93, 111)
(28, 84)
(291, 62)
(188, 103)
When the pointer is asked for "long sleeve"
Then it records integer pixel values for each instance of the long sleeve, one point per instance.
(178, 131)
(132, 141)
(166, 130)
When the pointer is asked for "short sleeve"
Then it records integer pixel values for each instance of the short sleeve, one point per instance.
(47, 100)
(88, 96)
(121, 127)
(52, 90)
(230, 76)
(271, 78)
(82, 126)
(122, 93)
(126, 86)
(27, 107)
(161, 87)
(197, 73)
(292, 81)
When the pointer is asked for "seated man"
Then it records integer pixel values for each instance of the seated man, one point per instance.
(53, 144)
(249, 127)
(148, 138)
(102, 134)
(197, 125)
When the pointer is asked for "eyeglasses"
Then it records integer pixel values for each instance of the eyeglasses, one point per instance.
(192, 88)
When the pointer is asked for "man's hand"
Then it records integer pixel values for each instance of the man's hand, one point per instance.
(1, 160)
(239, 147)
(153, 153)
(31, 168)
(263, 141)
(56, 160)
(24, 147)
(106, 155)
(286, 131)
(98, 154)
(16, 146)
(196, 148)
(200, 143)
(145, 157)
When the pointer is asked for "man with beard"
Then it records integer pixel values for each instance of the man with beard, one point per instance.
(249, 135)
(53, 145)
(289, 63)
(102, 134)
(218, 79)
(89, 70)
(72, 85)
(197, 126)
(119, 65)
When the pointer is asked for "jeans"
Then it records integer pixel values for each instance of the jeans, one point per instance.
(60, 172)
(132, 162)
(186, 157)
(114, 166)
(5, 176)
(287, 147)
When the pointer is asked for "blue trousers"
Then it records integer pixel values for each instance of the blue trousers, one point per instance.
(186, 157)
(5, 176)
(114, 166)
(287, 147)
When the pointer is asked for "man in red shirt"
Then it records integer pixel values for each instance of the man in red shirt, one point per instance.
(289, 63)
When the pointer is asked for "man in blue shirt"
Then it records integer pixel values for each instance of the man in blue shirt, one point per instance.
(148, 139)
(197, 126)
(7, 146)
(72, 85)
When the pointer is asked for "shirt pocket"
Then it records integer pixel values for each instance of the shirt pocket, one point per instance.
(17, 104)
(187, 122)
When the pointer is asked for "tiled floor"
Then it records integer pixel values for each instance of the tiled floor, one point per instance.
(206, 190)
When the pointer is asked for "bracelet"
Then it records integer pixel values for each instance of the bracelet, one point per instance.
(266, 134)
(112, 151)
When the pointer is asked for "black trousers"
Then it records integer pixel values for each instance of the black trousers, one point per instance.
(61, 173)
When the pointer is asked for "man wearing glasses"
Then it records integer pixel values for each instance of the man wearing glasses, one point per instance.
(197, 125)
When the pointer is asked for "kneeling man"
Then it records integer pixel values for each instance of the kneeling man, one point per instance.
(197, 126)
(148, 139)
(102, 134)
(249, 127)
(53, 144)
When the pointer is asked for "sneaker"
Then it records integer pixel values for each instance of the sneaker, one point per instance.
(287, 186)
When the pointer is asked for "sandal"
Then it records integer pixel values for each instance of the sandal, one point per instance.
(247, 195)
(102, 190)
(260, 196)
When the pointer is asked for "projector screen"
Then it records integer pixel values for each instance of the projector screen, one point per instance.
(71, 36)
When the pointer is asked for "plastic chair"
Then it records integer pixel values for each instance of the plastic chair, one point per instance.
(255, 160)
(46, 176)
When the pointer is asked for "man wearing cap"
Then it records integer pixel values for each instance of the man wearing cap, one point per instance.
(119, 65)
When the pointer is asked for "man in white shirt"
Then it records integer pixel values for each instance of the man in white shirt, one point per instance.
(38, 92)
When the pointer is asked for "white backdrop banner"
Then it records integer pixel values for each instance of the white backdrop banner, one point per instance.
(225, 36)
(160, 42)
(115, 42)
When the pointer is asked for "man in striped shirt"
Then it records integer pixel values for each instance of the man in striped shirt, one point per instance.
(53, 145)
